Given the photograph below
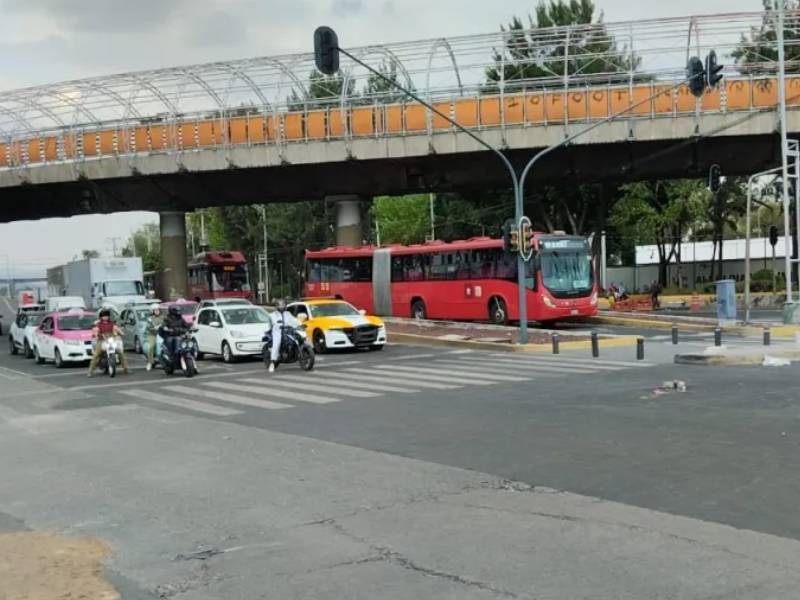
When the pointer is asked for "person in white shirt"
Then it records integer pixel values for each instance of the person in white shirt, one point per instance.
(280, 318)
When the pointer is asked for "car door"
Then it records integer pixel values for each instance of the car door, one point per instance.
(125, 326)
(44, 337)
(18, 330)
(201, 336)
(216, 331)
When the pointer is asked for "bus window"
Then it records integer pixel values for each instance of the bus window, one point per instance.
(413, 268)
(397, 268)
(313, 271)
(229, 278)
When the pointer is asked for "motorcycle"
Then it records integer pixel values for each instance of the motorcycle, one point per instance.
(110, 359)
(185, 356)
(294, 348)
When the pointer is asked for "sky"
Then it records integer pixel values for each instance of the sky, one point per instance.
(45, 41)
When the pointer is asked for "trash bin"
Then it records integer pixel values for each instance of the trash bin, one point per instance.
(726, 300)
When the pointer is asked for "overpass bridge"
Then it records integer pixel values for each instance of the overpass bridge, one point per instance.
(261, 130)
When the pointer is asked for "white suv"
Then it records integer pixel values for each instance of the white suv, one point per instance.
(20, 336)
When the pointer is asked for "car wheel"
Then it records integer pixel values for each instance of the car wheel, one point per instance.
(418, 310)
(320, 345)
(28, 353)
(498, 312)
(227, 353)
(37, 356)
(58, 360)
(12, 347)
(137, 345)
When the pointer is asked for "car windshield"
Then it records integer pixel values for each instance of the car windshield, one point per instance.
(333, 309)
(123, 288)
(76, 322)
(34, 320)
(567, 273)
(245, 316)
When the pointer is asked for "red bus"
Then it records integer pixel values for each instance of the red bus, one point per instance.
(219, 275)
(464, 280)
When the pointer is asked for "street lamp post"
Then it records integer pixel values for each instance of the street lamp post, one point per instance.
(784, 150)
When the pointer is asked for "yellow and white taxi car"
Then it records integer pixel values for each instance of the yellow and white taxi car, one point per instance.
(336, 324)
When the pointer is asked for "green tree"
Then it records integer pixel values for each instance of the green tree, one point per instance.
(760, 46)
(145, 243)
(723, 209)
(402, 219)
(90, 254)
(537, 54)
(660, 213)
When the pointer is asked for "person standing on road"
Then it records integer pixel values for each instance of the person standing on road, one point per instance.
(280, 318)
(103, 329)
(153, 325)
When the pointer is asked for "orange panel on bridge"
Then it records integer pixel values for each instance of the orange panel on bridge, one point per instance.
(255, 130)
(514, 109)
(33, 152)
(577, 108)
(361, 121)
(438, 122)
(738, 94)
(315, 125)
(50, 148)
(90, 144)
(206, 134)
(642, 101)
(394, 119)
(765, 93)
(187, 139)
(140, 138)
(793, 91)
(554, 106)
(685, 101)
(15, 153)
(70, 146)
(336, 124)
(490, 111)
(598, 103)
(620, 99)
(157, 134)
(416, 119)
(466, 112)
(293, 126)
(534, 107)
(107, 143)
(664, 103)
(711, 100)
(237, 130)
(3, 155)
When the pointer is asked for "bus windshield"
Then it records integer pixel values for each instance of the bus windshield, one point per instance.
(229, 278)
(567, 273)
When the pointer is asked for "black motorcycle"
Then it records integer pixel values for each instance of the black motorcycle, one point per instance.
(294, 348)
(185, 356)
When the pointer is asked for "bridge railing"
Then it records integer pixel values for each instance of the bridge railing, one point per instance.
(257, 127)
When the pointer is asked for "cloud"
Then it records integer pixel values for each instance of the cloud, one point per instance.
(347, 8)
(217, 29)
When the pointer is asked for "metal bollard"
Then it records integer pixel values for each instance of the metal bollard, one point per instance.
(640, 348)
(767, 336)
(718, 336)
(595, 345)
(555, 340)
(674, 334)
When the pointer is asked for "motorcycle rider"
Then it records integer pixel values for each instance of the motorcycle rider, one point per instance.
(153, 325)
(280, 318)
(103, 329)
(172, 329)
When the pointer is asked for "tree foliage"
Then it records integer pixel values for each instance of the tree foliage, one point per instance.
(402, 219)
(145, 243)
(536, 53)
(90, 254)
(760, 46)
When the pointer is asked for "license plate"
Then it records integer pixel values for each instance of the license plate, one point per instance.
(574, 311)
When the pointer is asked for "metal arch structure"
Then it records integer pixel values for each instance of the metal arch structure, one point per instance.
(565, 59)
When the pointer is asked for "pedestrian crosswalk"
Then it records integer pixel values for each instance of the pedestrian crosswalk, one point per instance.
(442, 373)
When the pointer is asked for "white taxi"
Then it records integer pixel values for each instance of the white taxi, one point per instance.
(64, 337)
(21, 334)
(231, 331)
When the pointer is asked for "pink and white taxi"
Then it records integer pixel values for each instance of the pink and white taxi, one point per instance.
(64, 337)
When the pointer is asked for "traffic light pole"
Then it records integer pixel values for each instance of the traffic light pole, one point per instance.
(518, 182)
(747, 226)
(787, 233)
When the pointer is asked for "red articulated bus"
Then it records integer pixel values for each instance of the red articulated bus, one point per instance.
(219, 275)
(465, 280)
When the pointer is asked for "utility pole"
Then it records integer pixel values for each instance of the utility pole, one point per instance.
(432, 197)
(266, 258)
(784, 151)
(114, 241)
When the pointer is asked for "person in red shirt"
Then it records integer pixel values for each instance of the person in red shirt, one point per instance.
(105, 328)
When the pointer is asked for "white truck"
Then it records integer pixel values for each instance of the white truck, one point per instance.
(113, 282)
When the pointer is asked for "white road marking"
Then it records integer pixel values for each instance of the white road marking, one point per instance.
(342, 379)
(325, 389)
(193, 405)
(223, 397)
(502, 368)
(15, 372)
(414, 356)
(437, 375)
(372, 375)
(544, 366)
(464, 372)
(264, 390)
(589, 361)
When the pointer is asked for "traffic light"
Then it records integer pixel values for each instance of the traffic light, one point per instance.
(326, 50)
(712, 70)
(695, 75)
(526, 238)
(773, 235)
(511, 237)
(714, 174)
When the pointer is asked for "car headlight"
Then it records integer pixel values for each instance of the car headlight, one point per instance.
(549, 303)
(237, 334)
(73, 342)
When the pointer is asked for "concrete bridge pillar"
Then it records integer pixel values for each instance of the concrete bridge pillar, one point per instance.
(348, 220)
(173, 280)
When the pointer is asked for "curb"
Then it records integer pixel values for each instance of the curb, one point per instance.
(721, 360)
(412, 338)
(647, 323)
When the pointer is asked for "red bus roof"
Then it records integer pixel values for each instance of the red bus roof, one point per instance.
(475, 243)
(224, 257)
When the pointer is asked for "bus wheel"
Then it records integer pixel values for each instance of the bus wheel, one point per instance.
(418, 309)
(498, 313)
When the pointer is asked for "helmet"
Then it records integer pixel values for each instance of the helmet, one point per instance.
(156, 310)
(174, 311)
(105, 313)
(280, 304)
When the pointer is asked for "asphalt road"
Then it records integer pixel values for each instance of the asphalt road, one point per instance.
(364, 449)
